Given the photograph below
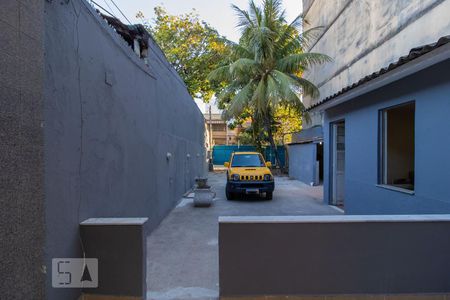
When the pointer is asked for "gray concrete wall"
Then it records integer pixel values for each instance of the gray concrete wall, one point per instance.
(363, 36)
(334, 255)
(302, 162)
(109, 123)
(429, 89)
(21, 147)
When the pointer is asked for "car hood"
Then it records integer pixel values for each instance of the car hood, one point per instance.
(250, 170)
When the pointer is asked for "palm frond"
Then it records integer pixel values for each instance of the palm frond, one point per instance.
(287, 89)
(220, 74)
(273, 94)
(273, 13)
(241, 99)
(240, 51)
(244, 19)
(255, 13)
(227, 94)
(310, 35)
(261, 41)
(297, 62)
(297, 23)
(307, 87)
(244, 67)
(296, 43)
(288, 35)
(259, 97)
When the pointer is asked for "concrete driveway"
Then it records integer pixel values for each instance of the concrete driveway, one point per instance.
(183, 250)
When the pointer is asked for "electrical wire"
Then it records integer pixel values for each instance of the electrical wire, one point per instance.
(120, 11)
(109, 8)
(105, 10)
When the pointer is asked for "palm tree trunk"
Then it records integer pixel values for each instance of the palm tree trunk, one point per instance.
(256, 135)
(272, 142)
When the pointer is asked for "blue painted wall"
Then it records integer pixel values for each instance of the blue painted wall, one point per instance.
(430, 89)
(302, 162)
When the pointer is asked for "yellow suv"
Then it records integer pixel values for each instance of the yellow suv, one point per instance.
(248, 173)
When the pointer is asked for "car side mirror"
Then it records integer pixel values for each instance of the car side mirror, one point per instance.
(268, 164)
(226, 164)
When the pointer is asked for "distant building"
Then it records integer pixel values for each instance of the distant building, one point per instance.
(364, 38)
(218, 133)
(221, 134)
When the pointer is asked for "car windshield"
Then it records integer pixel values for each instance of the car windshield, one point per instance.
(247, 160)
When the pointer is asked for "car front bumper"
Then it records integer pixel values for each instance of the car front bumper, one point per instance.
(243, 187)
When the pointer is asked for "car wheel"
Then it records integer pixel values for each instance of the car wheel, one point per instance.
(269, 195)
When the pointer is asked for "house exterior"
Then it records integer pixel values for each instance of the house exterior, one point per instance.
(361, 37)
(385, 137)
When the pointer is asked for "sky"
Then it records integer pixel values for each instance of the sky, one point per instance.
(217, 13)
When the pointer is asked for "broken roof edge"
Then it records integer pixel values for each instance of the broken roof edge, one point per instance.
(307, 135)
(116, 38)
(314, 140)
(419, 58)
(115, 24)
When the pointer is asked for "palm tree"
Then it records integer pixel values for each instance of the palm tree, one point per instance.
(265, 69)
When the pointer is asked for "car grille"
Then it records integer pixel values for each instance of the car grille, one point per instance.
(252, 177)
(252, 185)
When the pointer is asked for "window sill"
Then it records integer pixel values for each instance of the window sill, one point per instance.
(396, 189)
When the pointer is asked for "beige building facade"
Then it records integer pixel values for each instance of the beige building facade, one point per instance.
(218, 132)
(363, 36)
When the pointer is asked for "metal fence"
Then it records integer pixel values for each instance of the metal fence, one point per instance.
(222, 153)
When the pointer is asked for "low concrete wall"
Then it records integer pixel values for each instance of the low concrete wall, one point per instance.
(119, 244)
(334, 255)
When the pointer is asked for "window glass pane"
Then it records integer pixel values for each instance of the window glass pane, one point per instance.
(247, 160)
(398, 146)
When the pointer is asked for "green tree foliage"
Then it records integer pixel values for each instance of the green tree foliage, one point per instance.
(266, 67)
(192, 46)
(287, 121)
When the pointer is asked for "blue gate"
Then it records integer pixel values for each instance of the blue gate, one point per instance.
(269, 155)
(222, 153)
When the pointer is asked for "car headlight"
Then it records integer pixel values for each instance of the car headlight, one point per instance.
(235, 177)
(267, 177)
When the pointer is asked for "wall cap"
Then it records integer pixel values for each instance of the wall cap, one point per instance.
(337, 219)
(114, 221)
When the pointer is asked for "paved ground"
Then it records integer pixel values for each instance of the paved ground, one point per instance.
(182, 251)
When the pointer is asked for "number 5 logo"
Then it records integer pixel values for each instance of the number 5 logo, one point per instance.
(62, 275)
(74, 272)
